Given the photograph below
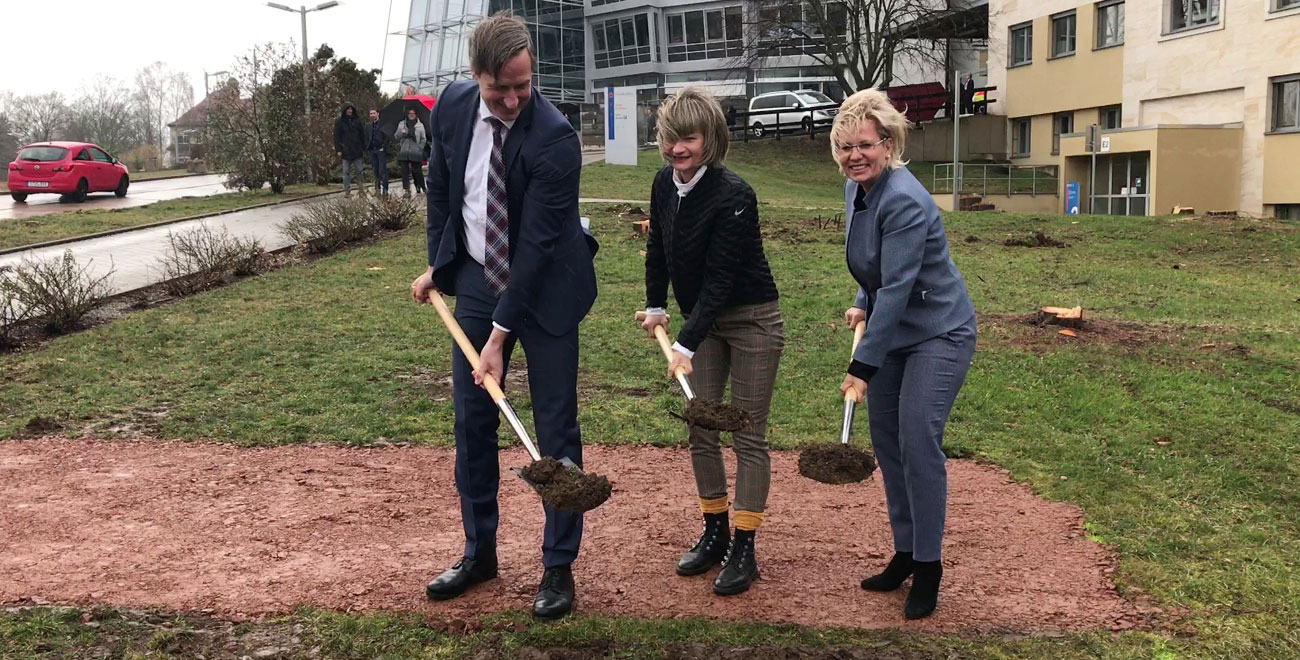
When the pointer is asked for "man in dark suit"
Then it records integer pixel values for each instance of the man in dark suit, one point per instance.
(504, 237)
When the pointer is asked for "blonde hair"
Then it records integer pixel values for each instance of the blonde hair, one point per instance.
(694, 110)
(870, 105)
(496, 39)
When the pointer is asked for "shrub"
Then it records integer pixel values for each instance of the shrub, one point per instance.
(326, 225)
(201, 258)
(12, 313)
(393, 213)
(59, 291)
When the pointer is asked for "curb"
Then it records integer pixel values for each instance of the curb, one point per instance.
(160, 223)
(6, 191)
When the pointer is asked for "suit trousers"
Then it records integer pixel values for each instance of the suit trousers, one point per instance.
(553, 384)
(908, 401)
(354, 167)
(379, 163)
(744, 346)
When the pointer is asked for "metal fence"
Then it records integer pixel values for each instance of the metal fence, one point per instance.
(987, 179)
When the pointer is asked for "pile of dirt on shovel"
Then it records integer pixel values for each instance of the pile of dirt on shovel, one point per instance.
(567, 489)
(716, 416)
(836, 464)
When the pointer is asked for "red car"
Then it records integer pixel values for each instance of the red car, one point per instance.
(75, 169)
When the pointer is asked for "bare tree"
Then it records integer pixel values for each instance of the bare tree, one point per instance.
(859, 41)
(254, 127)
(161, 95)
(39, 117)
(104, 115)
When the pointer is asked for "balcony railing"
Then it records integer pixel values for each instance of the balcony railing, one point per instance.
(986, 179)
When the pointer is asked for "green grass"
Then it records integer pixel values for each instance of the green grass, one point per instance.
(137, 176)
(1182, 454)
(53, 226)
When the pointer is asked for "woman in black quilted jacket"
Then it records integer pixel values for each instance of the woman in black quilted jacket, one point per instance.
(704, 241)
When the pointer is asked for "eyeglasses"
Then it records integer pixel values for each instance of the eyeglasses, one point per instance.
(864, 147)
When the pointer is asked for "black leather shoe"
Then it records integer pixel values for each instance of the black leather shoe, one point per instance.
(555, 593)
(924, 596)
(459, 578)
(711, 549)
(740, 569)
(900, 566)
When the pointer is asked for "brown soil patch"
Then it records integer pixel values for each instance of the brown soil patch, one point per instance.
(1030, 332)
(566, 488)
(1038, 240)
(252, 532)
(836, 463)
(716, 416)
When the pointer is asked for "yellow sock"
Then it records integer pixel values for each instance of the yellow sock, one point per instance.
(719, 505)
(748, 521)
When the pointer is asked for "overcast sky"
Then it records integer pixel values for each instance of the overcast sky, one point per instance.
(61, 44)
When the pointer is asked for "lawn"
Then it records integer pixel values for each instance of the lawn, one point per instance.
(68, 224)
(137, 176)
(1176, 430)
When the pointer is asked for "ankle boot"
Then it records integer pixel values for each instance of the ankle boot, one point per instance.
(740, 569)
(892, 577)
(924, 595)
(711, 549)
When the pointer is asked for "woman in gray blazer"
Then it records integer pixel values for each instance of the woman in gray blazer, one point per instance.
(919, 339)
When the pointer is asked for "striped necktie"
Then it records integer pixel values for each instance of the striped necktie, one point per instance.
(496, 262)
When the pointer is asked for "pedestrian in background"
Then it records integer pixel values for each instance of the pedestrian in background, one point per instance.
(411, 139)
(377, 148)
(349, 144)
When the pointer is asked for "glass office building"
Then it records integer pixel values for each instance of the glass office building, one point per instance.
(437, 43)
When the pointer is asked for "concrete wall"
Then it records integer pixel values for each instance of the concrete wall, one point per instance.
(1282, 169)
(983, 137)
(1011, 204)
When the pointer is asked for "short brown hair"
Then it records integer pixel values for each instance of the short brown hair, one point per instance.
(694, 110)
(496, 39)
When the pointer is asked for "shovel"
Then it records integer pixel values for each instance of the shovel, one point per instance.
(711, 415)
(553, 494)
(844, 463)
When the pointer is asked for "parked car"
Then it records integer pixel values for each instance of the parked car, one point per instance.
(797, 117)
(75, 169)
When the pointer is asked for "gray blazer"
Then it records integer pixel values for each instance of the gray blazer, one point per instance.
(898, 253)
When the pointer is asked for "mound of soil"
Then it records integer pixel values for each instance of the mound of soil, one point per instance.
(567, 489)
(836, 464)
(716, 416)
(38, 426)
(1038, 240)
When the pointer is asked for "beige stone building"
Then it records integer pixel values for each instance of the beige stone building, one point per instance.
(1197, 101)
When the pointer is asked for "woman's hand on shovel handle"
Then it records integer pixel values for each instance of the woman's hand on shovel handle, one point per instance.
(679, 361)
(853, 385)
(854, 315)
(489, 359)
(651, 320)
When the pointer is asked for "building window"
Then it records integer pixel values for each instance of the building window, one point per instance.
(705, 34)
(1110, 24)
(1286, 103)
(621, 41)
(1286, 211)
(1112, 117)
(1020, 137)
(1063, 34)
(1062, 124)
(1190, 14)
(1280, 5)
(1022, 44)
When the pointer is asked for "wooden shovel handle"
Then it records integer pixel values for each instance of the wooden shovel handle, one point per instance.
(471, 354)
(858, 330)
(664, 345)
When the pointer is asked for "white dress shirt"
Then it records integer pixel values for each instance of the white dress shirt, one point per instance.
(474, 206)
(683, 189)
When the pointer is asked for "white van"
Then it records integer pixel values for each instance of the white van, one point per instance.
(759, 125)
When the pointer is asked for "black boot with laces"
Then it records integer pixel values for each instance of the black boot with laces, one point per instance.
(711, 549)
(741, 567)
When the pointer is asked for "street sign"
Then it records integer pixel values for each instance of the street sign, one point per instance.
(1072, 198)
(1105, 144)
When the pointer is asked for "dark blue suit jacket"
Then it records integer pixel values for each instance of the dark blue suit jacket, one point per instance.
(898, 253)
(552, 278)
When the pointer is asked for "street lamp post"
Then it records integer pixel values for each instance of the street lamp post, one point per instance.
(302, 11)
(206, 75)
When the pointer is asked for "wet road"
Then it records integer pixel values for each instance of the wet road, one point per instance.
(139, 194)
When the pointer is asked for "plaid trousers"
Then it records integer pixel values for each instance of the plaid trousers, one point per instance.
(744, 346)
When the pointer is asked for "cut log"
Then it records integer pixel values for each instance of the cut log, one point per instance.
(1069, 317)
(1066, 332)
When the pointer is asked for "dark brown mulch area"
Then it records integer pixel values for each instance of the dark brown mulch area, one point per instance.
(836, 463)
